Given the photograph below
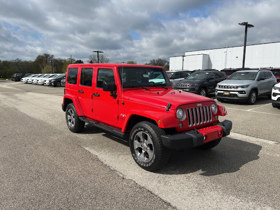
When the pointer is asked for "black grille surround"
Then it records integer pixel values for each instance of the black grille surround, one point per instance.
(198, 115)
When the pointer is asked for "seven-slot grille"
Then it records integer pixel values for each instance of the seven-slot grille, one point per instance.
(199, 115)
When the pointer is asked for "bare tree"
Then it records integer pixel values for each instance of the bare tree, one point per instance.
(102, 59)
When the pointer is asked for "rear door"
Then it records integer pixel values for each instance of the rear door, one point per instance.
(85, 90)
(211, 82)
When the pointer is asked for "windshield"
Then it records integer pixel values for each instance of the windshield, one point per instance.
(198, 76)
(142, 76)
(243, 76)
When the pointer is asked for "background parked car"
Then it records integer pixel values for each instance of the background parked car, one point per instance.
(246, 85)
(42, 79)
(176, 76)
(17, 77)
(56, 81)
(275, 95)
(62, 82)
(30, 79)
(36, 79)
(26, 77)
(202, 82)
(230, 71)
(276, 73)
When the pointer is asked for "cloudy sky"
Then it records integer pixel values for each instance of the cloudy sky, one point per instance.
(138, 30)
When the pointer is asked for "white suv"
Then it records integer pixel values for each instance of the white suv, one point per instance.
(275, 95)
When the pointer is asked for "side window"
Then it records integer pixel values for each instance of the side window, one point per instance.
(261, 76)
(72, 76)
(268, 75)
(105, 75)
(86, 76)
(184, 74)
(211, 75)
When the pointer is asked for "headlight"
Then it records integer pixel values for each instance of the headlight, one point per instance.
(214, 108)
(276, 88)
(181, 114)
(244, 86)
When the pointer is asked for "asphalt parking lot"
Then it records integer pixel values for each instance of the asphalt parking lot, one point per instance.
(241, 173)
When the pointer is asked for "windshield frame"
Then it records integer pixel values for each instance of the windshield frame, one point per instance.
(140, 77)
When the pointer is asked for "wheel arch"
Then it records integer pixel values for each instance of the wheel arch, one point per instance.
(134, 119)
(75, 101)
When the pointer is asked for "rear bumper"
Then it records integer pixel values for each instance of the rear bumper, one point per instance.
(198, 137)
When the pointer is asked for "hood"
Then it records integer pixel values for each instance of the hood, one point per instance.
(162, 97)
(191, 82)
(236, 82)
(277, 85)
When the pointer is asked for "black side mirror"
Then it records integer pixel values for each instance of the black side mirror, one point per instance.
(109, 86)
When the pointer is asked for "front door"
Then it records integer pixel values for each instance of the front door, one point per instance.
(105, 103)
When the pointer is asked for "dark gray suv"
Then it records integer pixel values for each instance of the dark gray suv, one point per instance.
(246, 85)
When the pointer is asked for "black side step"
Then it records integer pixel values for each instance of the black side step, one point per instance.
(105, 127)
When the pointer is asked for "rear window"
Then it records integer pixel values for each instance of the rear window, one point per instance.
(72, 76)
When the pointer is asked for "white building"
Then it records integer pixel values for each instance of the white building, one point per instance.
(258, 55)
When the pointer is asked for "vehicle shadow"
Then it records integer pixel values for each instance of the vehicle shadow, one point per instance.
(262, 100)
(228, 157)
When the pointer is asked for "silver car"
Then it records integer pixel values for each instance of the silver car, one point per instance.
(246, 85)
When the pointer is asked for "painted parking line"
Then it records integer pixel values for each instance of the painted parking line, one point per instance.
(249, 110)
(251, 139)
(258, 107)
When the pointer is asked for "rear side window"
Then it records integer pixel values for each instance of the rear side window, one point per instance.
(86, 76)
(72, 76)
(105, 75)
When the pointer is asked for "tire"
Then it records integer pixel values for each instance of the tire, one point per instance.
(203, 92)
(146, 146)
(252, 97)
(210, 144)
(73, 122)
(275, 106)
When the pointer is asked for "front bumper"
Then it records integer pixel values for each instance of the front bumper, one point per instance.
(240, 94)
(198, 137)
(276, 103)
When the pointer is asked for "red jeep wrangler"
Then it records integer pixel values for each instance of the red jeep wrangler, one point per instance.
(137, 102)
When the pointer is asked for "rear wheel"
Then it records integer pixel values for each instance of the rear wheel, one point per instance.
(146, 146)
(72, 119)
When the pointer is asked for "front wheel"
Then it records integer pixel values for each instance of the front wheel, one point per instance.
(203, 92)
(72, 119)
(252, 97)
(146, 146)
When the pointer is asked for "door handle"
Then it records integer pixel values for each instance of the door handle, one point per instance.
(96, 94)
(80, 91)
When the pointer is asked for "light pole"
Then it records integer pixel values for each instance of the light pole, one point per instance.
(97, 52)
(247, 25)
